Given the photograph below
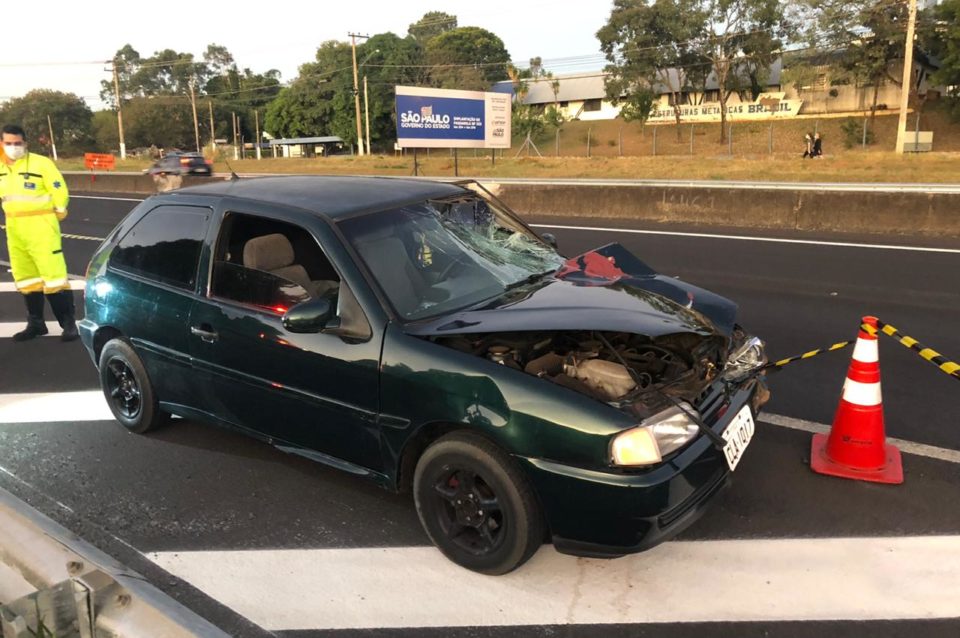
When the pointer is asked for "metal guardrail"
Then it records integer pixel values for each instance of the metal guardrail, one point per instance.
(52, 583)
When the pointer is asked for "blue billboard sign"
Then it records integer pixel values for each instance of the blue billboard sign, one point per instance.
(452, 119)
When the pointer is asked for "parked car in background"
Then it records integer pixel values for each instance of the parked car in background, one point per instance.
(423, 336)
(181, 164)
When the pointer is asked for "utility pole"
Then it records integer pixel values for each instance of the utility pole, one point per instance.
(53, 143)
(356, 90)
(256, 117)
(213, 133)
(233, 118)
(193, 104)
(366, 108)
(116, 93)
(907, 78)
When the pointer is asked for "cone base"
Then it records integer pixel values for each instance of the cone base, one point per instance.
(891, 472)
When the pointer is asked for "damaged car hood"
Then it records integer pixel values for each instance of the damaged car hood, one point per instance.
(604, 289)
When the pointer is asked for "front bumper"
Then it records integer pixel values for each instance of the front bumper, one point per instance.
(607, 514)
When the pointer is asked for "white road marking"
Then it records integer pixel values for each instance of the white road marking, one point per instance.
(9, 286)
(47, 407)
(695, 581)
(774, 240)
(909, 447)
(8, 329)
(117, 199)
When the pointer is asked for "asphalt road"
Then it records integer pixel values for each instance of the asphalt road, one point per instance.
(195, 508)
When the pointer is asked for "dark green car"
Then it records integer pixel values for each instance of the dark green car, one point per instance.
(421, 335)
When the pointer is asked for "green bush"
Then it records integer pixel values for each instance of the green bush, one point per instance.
(853, 133)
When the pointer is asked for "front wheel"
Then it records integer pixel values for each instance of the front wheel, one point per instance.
(127, 388)
(476, 505)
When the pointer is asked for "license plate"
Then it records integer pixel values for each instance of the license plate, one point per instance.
(738, 435)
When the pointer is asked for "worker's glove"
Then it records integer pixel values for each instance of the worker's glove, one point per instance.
(61, 214)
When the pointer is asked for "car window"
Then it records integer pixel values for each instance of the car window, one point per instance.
(270, 264)
(164, 245)
(440, 255)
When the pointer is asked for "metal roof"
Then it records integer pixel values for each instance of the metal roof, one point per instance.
(285, 141)
(334, 196)
(590, 86)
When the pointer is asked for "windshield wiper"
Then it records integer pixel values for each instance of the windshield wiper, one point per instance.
(528, 280)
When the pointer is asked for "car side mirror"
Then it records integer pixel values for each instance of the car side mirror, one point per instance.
(550, 239)
(310, 316)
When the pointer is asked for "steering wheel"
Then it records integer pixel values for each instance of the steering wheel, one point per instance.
(448, 269)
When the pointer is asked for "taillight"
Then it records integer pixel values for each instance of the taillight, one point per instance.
(184, 161)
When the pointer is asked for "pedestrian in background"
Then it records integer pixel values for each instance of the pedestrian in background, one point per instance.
(807, 146)
(817, 146)
(35, 200)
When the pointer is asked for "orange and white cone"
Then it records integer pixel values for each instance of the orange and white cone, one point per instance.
(856, 447)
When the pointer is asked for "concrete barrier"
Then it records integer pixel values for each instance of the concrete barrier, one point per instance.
(915, 212)
(127, 182)
(844, 211)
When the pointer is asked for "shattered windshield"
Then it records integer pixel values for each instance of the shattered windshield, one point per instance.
(441, 255)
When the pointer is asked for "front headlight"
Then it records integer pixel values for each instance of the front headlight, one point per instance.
(653, 439)
(745, 359)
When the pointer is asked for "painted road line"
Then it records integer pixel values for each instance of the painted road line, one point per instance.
(8, 329)
(694, 581)
(46, 407)
(774, 240)
(115, 199)
(9, 286)
(909, 447)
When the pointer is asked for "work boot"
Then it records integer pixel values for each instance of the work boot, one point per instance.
(36, 327)
(62, 304)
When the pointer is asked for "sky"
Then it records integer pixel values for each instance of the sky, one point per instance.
(66, 50)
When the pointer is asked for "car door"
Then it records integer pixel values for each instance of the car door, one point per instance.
(317, 391)
(152, 277)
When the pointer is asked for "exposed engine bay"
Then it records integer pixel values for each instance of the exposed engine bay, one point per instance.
(629, 371)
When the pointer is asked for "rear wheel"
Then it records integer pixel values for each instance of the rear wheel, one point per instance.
(127, 388)
(476, 505)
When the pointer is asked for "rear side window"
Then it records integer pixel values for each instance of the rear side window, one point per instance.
(164, 245)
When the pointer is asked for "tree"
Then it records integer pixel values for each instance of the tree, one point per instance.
(870, 33)
(467, 58)
(432, 24)
(737, 35)
(653, 47)
(106, 135)
(165, 122)
(320, 100)
(940, 35)
(70, 116)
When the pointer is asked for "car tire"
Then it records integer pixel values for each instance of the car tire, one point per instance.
(127, 388)
(476, 505)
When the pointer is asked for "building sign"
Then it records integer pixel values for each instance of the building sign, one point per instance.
(441, 118)
(767, 106)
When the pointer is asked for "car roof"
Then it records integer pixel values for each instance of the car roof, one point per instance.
(334, 196)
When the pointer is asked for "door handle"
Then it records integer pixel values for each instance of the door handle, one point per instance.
(209, 335)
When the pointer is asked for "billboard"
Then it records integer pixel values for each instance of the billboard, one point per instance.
(442, 118)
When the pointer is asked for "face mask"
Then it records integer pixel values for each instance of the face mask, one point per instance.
(14, 152)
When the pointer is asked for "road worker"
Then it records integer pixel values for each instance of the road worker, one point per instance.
(35, 199)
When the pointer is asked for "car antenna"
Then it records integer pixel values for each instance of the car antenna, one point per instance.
(233, 176)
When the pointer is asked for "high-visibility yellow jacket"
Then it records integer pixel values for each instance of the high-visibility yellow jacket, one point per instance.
(33, 186)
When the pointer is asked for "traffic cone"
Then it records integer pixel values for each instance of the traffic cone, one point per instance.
(856, 447)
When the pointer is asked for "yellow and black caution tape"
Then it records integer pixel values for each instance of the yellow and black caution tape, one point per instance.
(931, 355)
(807, 355)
